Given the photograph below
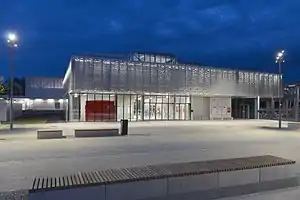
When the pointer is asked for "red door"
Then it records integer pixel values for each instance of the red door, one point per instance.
(100, 111)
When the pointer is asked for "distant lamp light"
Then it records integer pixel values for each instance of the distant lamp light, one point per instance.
(12, 40)
(280, 57)
(12, 37)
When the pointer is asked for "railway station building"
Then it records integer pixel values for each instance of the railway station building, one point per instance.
(148, 86)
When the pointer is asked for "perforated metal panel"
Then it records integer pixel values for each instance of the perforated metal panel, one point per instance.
(100, 74)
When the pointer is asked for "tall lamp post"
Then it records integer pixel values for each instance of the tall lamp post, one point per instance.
(12, 41)
(280, 60)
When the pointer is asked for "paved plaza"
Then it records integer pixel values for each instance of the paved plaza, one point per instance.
(22, 156)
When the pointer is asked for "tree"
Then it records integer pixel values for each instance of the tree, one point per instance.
(2, 87)
(18, 87)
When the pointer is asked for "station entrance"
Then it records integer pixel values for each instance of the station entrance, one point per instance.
(243, 108)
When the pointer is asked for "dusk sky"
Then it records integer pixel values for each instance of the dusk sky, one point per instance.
(239, 34)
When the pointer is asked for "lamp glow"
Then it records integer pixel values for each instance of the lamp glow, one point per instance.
(280, 57)
(12, 37)
(12, 40)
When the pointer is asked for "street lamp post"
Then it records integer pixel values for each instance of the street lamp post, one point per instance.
(12, 42)
(280, 60)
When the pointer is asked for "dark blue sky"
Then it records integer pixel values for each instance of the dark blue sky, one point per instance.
(223, 33)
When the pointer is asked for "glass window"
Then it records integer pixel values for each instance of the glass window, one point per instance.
(134, 107)
(139, 106)
(179, 99)
(160, 107)
(146, 111)
(152, 99)
(177, 111)
(57, 105)
(159, 99)
(158, 110)
(91, 97)
(188, 111)
(120, 107)
(152, 110)
(127, 106)
(182, 111)
(74, 107)
(165, 99)
(171, 98)
(165, 111)
(147, 99)
(171, 111)
(188, 99)
(146, 107)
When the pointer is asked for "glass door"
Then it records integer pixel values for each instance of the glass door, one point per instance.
(177, 111)
(158, 108)
(182, 111)
(245, 111)
(152, 111)
(165, 111)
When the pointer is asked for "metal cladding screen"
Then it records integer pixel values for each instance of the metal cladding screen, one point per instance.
(108, 75)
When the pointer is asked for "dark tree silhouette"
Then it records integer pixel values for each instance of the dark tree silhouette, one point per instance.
(18, 88)
(2, 87)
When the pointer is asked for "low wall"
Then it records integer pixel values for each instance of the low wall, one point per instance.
(5, 111)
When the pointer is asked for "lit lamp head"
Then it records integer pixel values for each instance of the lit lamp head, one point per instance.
(12, 40)
(280, 57)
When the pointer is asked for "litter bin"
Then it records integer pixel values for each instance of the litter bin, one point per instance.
(124, 127)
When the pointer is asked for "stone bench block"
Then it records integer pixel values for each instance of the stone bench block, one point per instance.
(84, 193)
(49, 134)
(96, 132)
(233, 178)
(137, 190)
(276, 173)
(185, 184)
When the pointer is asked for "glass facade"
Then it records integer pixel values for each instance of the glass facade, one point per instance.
(134, 107)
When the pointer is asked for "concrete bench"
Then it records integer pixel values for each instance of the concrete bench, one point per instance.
(155, 181)
(96, 132)
(294, 125)
(49, 134)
